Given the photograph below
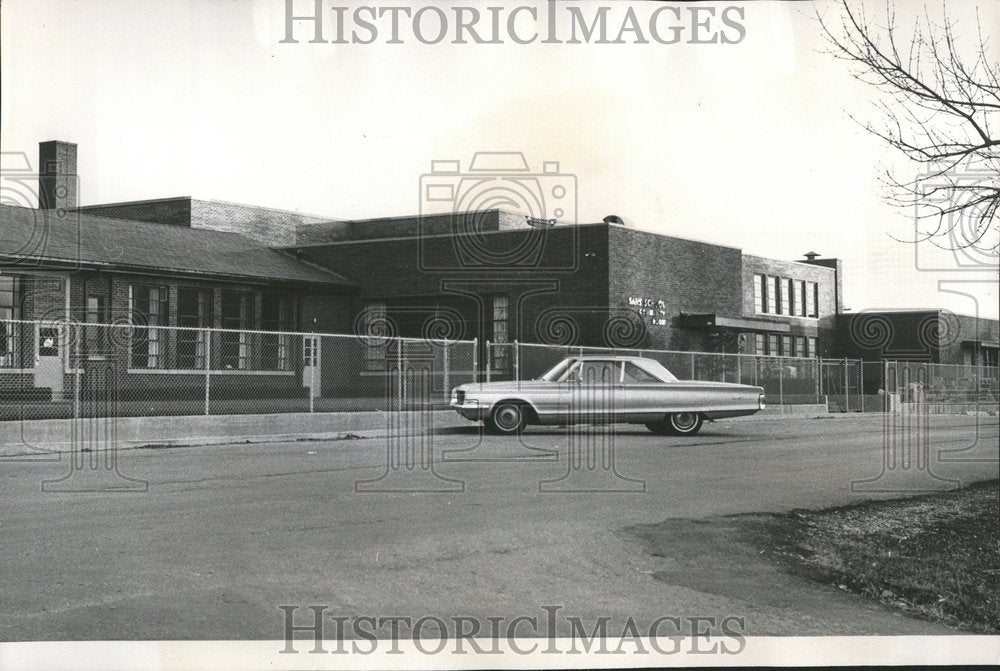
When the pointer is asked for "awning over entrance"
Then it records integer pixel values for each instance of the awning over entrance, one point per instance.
(983, 343)
(715, 321)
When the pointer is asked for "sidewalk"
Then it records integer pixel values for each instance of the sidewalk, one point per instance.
(37, 437)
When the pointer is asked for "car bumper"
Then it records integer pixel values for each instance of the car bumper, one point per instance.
(471, 410)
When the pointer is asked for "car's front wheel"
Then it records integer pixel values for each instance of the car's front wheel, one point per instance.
(507, 418)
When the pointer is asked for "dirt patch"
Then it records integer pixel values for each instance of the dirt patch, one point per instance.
(934, 557)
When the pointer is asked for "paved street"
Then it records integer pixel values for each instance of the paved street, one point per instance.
(226, 534)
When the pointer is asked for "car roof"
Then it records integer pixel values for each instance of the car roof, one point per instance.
(609, 357)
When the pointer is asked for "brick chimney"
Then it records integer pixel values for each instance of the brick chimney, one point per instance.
(57, 179)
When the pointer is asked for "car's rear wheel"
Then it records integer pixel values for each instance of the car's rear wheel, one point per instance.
(507, 418)
(684, 423)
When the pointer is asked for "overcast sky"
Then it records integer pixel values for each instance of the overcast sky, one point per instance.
(745, 144)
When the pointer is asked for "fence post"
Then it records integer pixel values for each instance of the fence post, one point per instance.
(401, 382)
(517, 362)
(76, 376)
(447, 376)
(314, 356)
(208, 368)
(847, 397)
(819, 374)
(861, 384)
(475, 359)
(489, 356)
(739, 369)
(692, 365)
(781, 385)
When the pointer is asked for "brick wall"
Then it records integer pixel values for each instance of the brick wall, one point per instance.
(170, 211)
(550, 271)
(686, 275)
(270, 226)
(933, 336)
(410, 226)
(823, 328)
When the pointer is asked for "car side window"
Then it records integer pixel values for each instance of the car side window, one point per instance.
(636, 375)
(599, 372)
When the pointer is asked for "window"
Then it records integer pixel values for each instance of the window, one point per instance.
(598, 372)
(636, 375)
(989, 356)
(773, 299)
(275, 316)
(801, 299)
(10, 303)
(812, 298)
(237, 315)
(194, 311)
(759, 346)
(376, 325)
(787, 296)
(759, 294)
(501, 354)
(148, 310)
(772, 345)
(94, 336)
(812, 347)
(800, 346)
(786, 346)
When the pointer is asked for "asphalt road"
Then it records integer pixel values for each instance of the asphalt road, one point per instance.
(224, 535)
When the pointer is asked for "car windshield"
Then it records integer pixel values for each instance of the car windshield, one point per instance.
(557, 371)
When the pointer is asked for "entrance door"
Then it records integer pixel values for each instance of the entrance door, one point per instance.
(311, 378)
(49, 360)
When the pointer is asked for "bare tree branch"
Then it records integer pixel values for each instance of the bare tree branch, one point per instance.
(938, 107)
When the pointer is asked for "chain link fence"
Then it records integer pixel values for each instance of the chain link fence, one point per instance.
(61, 369)
(940, 388)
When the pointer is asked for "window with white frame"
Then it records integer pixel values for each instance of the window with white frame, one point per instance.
(275, 316)
(194, 312)
(773, 297)
(800, 301)
(787, 296)
(149, 308)
(10, 308)
(812, 298)
(811, 342)
(237, 318)
(376, 327)
(800, 346)
(760, 294)
(759, 346)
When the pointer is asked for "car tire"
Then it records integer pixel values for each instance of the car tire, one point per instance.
(659, 428)
(506, 419)
(684, 423)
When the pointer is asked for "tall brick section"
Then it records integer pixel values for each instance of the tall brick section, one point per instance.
(57, 179)
(273, 227)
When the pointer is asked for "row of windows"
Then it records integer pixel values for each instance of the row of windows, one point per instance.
(772, 344)
(784, 296)
(149, 305)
